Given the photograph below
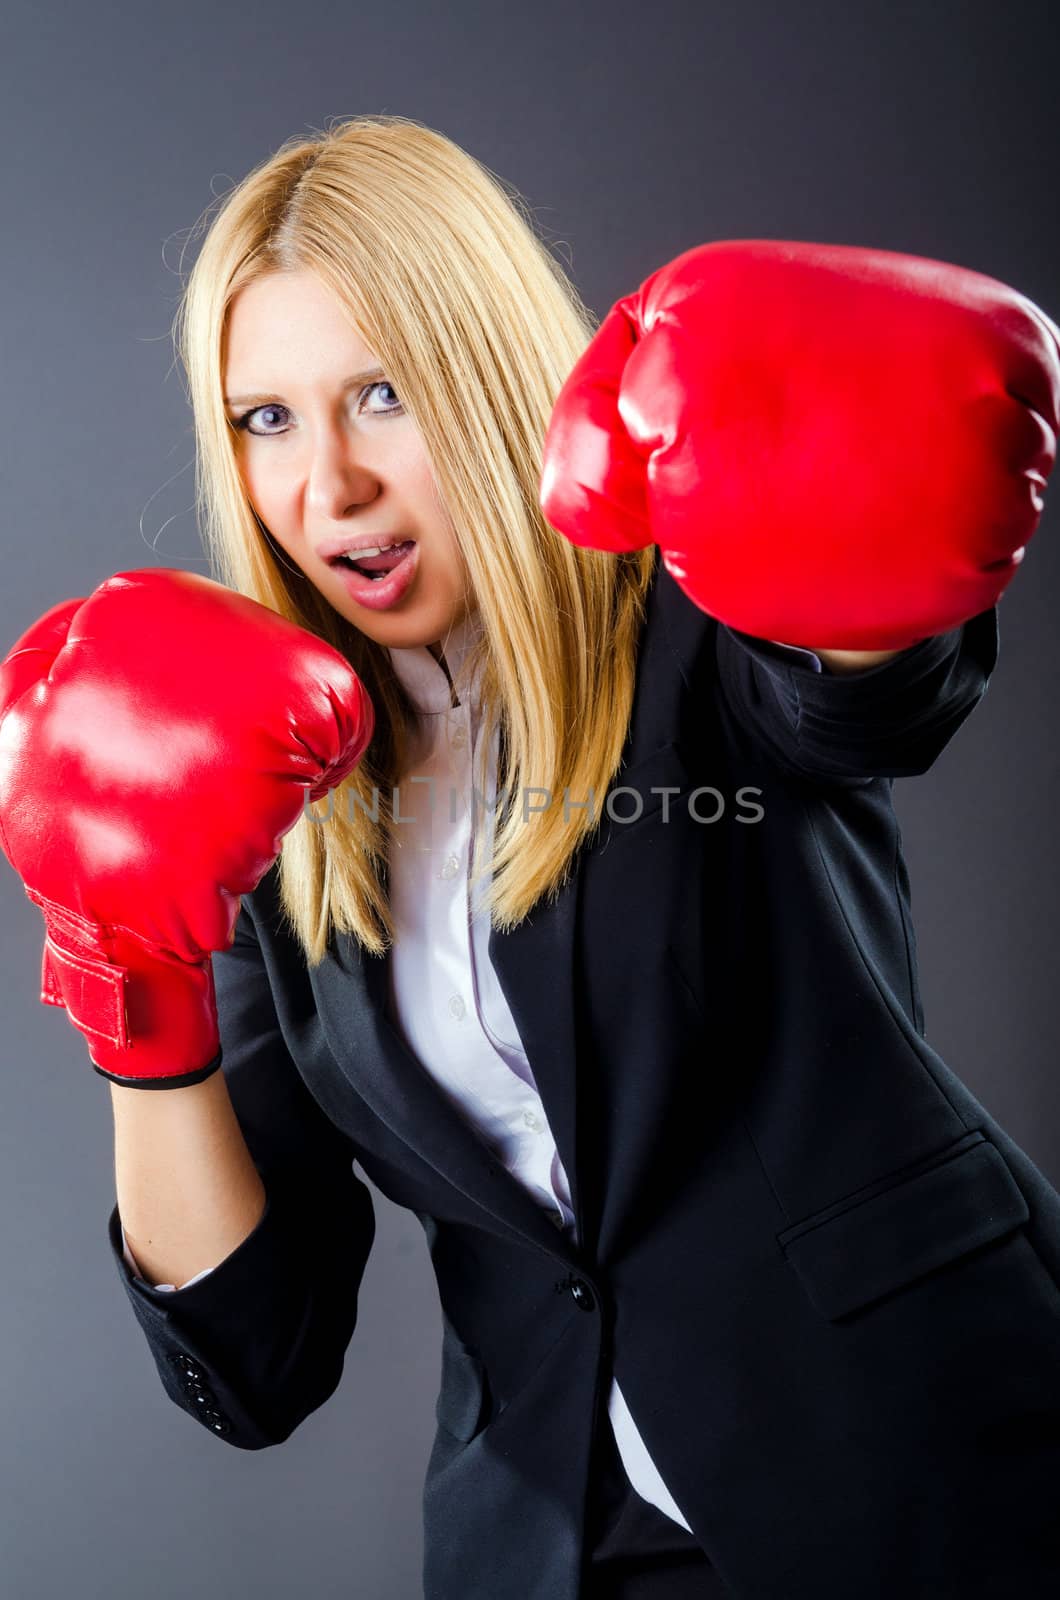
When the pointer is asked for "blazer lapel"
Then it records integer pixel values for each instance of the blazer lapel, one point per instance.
(351, 992)
(534, 963)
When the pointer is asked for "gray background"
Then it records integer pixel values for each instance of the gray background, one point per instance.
(635, 135)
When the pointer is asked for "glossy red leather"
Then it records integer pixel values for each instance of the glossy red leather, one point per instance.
(157, 740)
(832, 446)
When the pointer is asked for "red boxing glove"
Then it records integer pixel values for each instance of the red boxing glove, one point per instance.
(156, 742)
(833, 447)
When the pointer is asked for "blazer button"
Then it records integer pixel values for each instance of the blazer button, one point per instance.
(582, 1295)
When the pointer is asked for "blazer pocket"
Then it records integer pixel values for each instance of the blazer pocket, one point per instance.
(864, 1248)
(461, 1404)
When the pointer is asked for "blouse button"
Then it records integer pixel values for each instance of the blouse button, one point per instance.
(533, 1122)
(449, 867)
(456, 1006)
(459, 738)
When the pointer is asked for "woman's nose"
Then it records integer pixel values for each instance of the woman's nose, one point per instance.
(338, 479)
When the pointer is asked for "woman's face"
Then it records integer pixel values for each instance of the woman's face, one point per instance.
(329, 458)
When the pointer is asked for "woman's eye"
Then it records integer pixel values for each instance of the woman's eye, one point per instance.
(383, 384)
(243, 422)
(264, 412)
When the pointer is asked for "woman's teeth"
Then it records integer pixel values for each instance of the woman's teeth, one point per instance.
(376, 561)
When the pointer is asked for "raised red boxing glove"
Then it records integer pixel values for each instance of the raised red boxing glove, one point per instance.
(156, 742)
(832, 446)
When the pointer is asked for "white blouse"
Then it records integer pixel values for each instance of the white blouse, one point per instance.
(445, 999)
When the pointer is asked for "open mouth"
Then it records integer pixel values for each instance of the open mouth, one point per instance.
(376, 567)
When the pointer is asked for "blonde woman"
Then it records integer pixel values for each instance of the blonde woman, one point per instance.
(456, 833)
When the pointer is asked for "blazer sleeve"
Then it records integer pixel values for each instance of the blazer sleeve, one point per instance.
(254, 1345)
(890, 720)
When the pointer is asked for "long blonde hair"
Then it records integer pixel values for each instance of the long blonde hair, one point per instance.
(438, 264)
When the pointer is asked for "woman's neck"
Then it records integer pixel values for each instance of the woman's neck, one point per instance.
(439, 656)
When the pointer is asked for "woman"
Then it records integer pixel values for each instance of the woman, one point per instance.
(743, 1292)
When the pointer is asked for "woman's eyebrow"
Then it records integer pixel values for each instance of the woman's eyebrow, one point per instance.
(347, 383)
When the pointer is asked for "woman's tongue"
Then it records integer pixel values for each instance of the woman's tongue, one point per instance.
(387, 561)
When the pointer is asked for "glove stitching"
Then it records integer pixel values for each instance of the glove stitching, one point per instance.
(74, 923)
(112, 979)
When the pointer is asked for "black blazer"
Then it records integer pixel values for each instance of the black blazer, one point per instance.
(825, 1277)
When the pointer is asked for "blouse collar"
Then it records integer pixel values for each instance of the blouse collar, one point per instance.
(424, 678)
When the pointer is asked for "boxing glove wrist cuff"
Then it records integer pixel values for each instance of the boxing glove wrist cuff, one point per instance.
(147, 1016)
(180, 1080)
